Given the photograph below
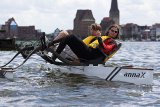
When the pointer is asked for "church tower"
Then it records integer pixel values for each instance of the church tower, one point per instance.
(114, 12)
(82, 22)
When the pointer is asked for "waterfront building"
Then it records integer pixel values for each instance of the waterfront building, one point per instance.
(130, 31)
(155, 32)
(12, 30)
(134, 32)
(82, 22)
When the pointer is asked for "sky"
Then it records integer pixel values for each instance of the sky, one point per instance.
(47, 15)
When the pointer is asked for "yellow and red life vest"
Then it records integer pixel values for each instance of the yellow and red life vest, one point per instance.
(95, 43)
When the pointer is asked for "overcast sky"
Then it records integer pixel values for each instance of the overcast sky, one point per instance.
(48, 15)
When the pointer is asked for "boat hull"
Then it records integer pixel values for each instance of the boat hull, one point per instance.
(138, 76)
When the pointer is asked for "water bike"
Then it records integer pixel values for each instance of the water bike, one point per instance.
(129, 74)
(96, 67)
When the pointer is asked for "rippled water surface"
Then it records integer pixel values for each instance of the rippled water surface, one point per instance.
(33, 87)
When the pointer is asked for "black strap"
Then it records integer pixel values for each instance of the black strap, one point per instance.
(95, 38)
(100, 42)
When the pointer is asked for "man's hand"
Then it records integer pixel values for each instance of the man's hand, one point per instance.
(100, 42)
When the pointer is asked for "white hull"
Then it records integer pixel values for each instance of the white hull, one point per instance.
(137, 76)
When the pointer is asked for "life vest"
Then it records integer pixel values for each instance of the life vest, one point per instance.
(95, 43)
(88, 40)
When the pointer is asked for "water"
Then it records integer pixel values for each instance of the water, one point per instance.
(33, 87)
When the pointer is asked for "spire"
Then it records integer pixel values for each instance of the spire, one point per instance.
(114, 12)
(114, 6)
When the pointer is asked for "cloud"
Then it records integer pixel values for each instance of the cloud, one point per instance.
(48, 15)
(143, 12)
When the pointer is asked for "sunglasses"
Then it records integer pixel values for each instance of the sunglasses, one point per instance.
(114, 31)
